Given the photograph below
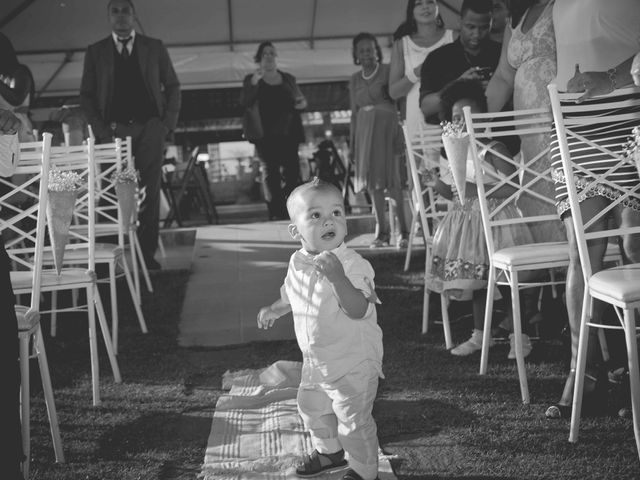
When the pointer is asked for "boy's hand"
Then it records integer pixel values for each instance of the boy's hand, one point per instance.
(266, 317)
(328, 265)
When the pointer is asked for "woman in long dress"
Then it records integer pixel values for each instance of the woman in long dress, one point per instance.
(527, 65)
(422, 32)
(376, 140)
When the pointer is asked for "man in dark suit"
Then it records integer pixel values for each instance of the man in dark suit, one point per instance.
(129, 88)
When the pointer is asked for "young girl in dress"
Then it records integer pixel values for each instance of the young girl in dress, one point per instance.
(460, 260)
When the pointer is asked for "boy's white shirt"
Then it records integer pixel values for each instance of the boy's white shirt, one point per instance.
(331, 342)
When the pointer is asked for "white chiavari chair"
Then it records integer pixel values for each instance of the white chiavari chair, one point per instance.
(423, 152)
(23, 202)
(82, 237)
(508, 265)
(110, 222)
(590, 138)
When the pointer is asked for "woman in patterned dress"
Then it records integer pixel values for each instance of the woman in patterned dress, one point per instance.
(527, 65)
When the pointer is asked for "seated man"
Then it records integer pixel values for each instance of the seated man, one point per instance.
(472, 56)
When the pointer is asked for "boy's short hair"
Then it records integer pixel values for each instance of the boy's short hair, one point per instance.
(459, 89)
(315, 184)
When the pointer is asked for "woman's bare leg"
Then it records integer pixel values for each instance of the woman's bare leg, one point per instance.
(575, 288)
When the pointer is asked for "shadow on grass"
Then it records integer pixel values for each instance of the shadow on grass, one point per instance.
(153, 432)
(402, 420)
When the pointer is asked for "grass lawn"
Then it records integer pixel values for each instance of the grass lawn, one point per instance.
(435, 414)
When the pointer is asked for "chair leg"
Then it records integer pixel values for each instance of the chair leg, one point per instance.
(604, 347)
(134, 266)
(93, 346)
(104, 327)
(25, 400)
(634, 378)
(143, 265)
(54, 313)
(554, 287)
(426, 294)
(163, 252)
(444, 306)
(136, 305)
(48, 394)
(412, 237)
(517, 335)
(581, 366)
(114, 305)
(488, 318)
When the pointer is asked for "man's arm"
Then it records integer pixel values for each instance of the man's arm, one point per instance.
(89, 97)
(171, 85)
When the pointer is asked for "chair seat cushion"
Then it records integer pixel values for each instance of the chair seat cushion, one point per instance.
(621, 284)
(543, 253)
(532, 255)
(68, 278)
(105, 252)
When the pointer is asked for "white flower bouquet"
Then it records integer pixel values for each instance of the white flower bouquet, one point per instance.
(126, 184)
(455, 140)
(63, 186)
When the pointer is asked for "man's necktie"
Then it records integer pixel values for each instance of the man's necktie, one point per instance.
(124, 42)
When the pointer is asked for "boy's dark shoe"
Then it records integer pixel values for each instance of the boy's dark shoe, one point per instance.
(352, 475)
(317, 463)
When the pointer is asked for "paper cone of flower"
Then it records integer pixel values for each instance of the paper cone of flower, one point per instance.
(457, 148)
(63, 191)
(59, 214)
(126, 193)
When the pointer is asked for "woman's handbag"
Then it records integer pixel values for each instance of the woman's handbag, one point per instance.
(252, 124)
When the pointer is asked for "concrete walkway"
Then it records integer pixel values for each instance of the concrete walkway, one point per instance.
(235, 270)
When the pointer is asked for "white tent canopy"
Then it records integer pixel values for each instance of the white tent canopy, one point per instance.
(211, 42)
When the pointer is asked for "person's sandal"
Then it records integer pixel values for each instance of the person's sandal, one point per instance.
(312, 465)
(352, 475)
(380, 242)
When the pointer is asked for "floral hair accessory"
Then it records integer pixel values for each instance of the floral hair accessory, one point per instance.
(64, 180)
(126, 175)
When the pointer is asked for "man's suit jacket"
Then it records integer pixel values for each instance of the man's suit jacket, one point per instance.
(96, 89)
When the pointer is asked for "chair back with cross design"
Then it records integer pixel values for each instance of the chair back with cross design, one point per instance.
(592, 139)
(23, 224)
(510, 245)
(427, 208)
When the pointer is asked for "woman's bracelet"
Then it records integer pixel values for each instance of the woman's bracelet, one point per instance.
(412, 76)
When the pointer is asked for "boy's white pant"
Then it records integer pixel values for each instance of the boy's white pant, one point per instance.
(338, 416)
